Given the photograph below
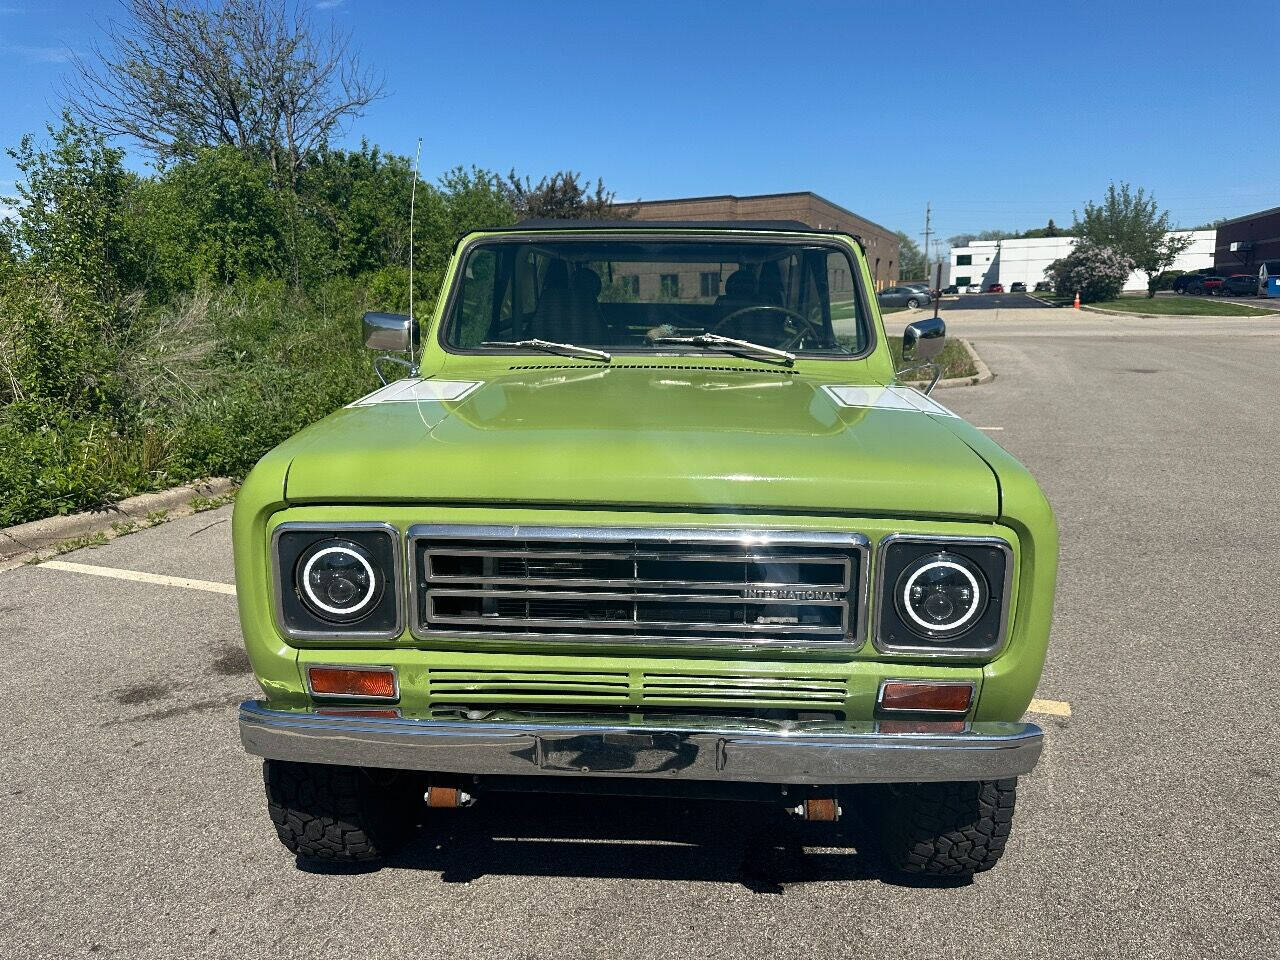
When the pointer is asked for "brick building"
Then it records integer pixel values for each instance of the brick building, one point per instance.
(1245, 243)
(807, 207)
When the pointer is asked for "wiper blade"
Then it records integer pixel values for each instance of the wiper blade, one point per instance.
(713, 341)
(550, 346)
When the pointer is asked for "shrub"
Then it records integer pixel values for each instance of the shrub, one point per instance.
(1097, 273)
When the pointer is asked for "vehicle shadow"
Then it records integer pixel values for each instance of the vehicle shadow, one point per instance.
(541, 835)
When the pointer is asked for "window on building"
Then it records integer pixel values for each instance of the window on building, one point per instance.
(964, 259)
(669, 283)
(709, 283)
(630, 285)
(963, 281)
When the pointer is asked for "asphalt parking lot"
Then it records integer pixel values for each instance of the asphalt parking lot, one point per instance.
(134, 825)
(990, 301)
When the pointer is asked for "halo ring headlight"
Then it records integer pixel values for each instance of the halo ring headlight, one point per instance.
(338, 580)
(941, 595)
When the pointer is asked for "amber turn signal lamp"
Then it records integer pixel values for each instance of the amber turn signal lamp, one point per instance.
(377, 683)
(916, 696)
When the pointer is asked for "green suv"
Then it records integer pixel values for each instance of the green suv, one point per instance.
(650, 512)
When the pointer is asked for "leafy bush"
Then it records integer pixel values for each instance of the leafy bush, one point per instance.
(160, 329)
(1096, 273)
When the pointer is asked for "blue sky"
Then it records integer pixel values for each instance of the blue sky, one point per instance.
(1000, 114)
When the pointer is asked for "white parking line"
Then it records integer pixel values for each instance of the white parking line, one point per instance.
(991, 428)
(114, 573)
(1053, 708)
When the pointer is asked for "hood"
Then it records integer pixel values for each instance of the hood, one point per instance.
(643, 435)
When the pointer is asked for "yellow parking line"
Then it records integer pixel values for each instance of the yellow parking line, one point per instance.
(116, 574)
(1053, 708)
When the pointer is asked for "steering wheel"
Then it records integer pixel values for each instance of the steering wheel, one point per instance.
(796, 331)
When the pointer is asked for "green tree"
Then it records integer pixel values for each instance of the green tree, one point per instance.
(358, 203)
(911, 262)
(1131, 223)
(561, 197)
(70, 258)
(70, 215)
(216, 218)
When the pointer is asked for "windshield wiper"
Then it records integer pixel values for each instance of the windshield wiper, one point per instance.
(550, 346)
(713, 341)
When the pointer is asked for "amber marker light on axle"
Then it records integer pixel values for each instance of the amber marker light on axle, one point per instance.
(362, 683)
(923, 696)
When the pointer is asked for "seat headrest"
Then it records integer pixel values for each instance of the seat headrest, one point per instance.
(557, 275)
(586, 282)
(740, 285)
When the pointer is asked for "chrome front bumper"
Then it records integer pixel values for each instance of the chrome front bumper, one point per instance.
(685, 748)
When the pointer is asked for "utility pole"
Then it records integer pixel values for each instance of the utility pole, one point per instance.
(928, 211)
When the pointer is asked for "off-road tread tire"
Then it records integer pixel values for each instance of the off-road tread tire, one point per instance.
(337, 814)
(946, 829)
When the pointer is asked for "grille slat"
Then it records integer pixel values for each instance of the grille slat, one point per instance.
(649, 586)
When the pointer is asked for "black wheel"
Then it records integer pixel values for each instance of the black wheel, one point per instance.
(944, 829)
(340, 814)
(913, 303)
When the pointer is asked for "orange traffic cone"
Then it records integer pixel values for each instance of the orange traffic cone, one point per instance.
(1077, 303)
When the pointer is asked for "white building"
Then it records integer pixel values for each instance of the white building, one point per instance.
(985, 262)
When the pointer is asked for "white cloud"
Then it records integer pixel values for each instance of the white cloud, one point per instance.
(330, 4)
(38, 54)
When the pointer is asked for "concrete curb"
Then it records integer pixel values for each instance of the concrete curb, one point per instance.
(30, 538)
(984, 374)
(1188, 316)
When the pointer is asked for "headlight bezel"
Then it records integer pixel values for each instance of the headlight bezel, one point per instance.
(891, 634)
(294, 617)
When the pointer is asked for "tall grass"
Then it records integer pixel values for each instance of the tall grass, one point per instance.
(202, 387)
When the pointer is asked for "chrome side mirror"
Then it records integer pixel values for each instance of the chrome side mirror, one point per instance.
(923, 340)
(389, 332)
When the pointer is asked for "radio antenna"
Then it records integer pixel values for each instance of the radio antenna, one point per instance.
(413, 326)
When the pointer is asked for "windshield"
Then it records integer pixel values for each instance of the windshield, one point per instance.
(632, 295)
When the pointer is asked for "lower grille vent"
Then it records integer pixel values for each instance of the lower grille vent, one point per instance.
(484, 686)
(780, 691)
(640, 690)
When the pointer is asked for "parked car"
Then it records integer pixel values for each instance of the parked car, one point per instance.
(995, 288)
(951, 289)
(550, 562)
(1238, 285)
(1208, 286)
(1017, 287)
(903, 297)
(1044, 286)
(1193, 284)
(973, 288)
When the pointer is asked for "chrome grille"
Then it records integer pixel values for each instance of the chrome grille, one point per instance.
(638, 585)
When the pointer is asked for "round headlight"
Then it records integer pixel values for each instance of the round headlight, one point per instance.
(941, 595)
(338, 580)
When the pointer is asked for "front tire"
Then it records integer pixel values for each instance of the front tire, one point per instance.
(913, 304)
(324, 812)
(945, 829)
